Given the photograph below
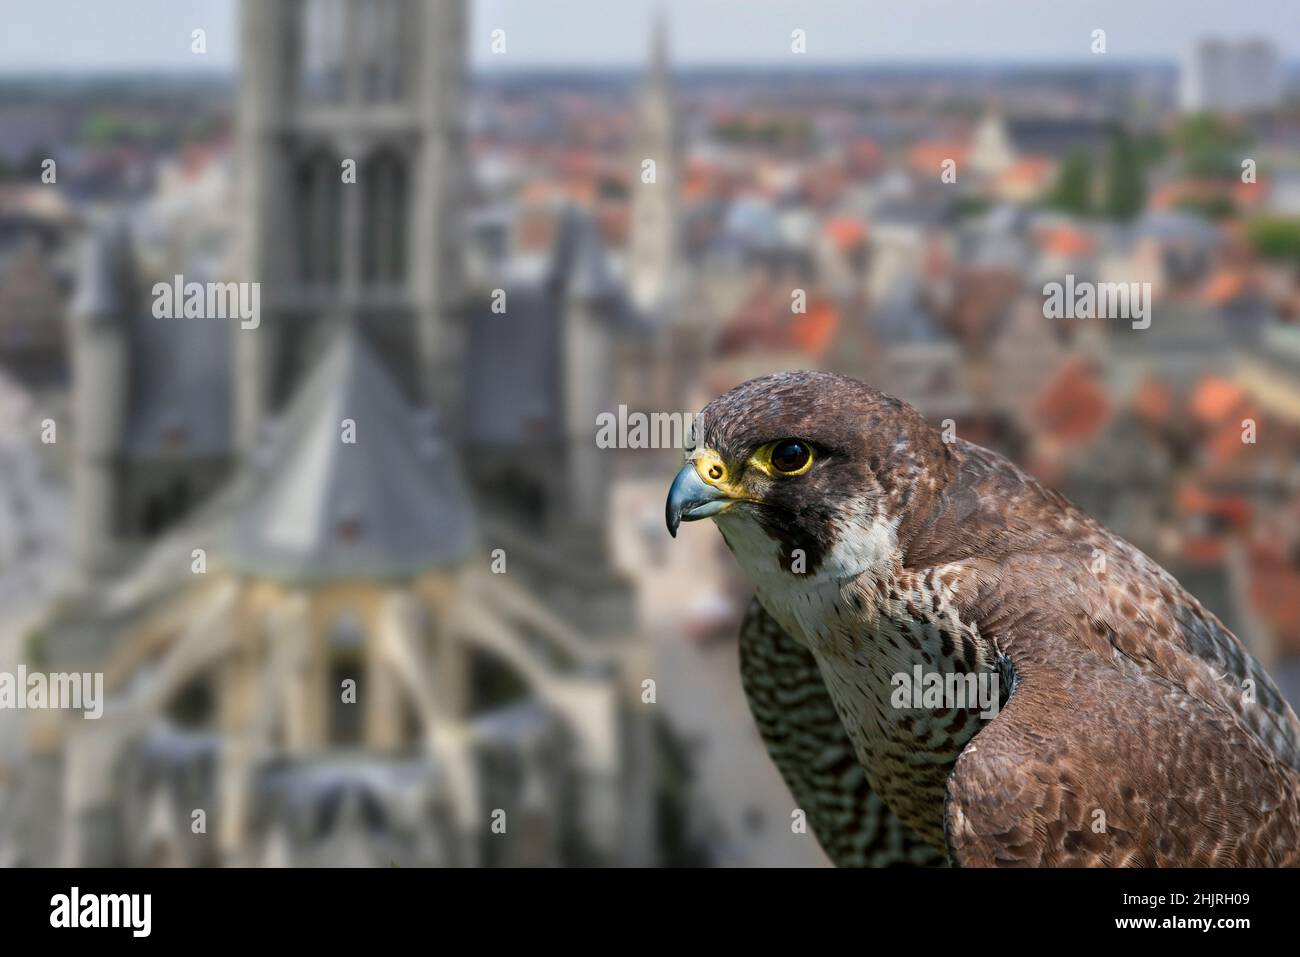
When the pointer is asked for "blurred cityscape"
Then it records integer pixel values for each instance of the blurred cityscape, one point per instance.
(363, 586)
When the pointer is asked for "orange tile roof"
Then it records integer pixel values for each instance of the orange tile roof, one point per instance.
(927, 157)
(1073, 407)
(1273, 591)
(1153, 401)
(824, 183)
(615, 223)
(1192, 499)
(865, 155)
(764, 323)
(1066, 241)
(1214, 399)
(813, 331)
(1029, 171)
(847, 233)
(1202, 549)
(1250, 195)
(536, 229)
(1165, 196)
(982, 296)
(1225, 444)
(1224, 286)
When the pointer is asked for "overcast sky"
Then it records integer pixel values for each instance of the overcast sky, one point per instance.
(80, 35)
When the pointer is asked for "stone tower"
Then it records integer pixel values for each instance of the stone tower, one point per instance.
(652, 250)
(352, 166)
(591, 309)
(100, 317)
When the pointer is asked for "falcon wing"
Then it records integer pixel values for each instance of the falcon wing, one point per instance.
(1103, 766)
(1141, 731)
(804, 736)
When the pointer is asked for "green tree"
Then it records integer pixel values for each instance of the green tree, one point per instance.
(1152, 147)
(1125, 185)
(1072, 192)
(1275, 237)
(1210, 145)
(103, 128)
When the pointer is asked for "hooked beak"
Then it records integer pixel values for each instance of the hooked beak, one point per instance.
(691, 498)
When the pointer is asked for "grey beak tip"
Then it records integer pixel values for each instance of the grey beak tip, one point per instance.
(672, 519)
(689, 499)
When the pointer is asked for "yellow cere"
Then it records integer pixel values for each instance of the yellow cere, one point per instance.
(710, 467)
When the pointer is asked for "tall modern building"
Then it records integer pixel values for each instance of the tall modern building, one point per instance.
(1232, 77)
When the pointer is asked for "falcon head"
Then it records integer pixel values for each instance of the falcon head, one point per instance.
(808, 472)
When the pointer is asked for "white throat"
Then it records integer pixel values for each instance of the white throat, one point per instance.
(806, 602)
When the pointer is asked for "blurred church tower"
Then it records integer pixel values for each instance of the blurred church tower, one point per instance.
(100, 338)
(349, 121)
(653, 245)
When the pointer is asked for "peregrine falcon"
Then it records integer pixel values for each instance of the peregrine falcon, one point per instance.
(1117, 722)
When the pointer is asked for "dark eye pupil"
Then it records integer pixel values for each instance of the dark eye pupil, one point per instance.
(790, 456)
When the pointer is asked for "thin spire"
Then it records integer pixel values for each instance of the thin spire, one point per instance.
(659, 48)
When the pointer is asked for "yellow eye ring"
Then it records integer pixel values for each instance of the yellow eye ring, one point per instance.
(784, 457)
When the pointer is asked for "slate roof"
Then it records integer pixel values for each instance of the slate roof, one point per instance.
(513, 370)
(180, 386)
(178, 383)
(390, 505)
(513, 364)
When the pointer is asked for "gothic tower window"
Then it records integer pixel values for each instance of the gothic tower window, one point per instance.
(381, 35)
(323, 75)
(384, 203)
(318, 211)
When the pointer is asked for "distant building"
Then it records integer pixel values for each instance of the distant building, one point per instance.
(1224, 76)
(1057, 136)
(35, 225)
(991, 151)
(32, 299)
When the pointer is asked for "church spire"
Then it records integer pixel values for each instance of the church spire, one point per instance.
(659, 51)
(652, 251)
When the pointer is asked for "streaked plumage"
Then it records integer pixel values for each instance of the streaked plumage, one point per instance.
(811, 749)
(1134, 728)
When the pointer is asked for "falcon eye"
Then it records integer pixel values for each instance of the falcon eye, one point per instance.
(791, 457)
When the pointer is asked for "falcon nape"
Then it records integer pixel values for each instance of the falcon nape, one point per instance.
(1130, 728)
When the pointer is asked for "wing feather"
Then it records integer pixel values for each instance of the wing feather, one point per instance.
(808, 744)
(1094, 766)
